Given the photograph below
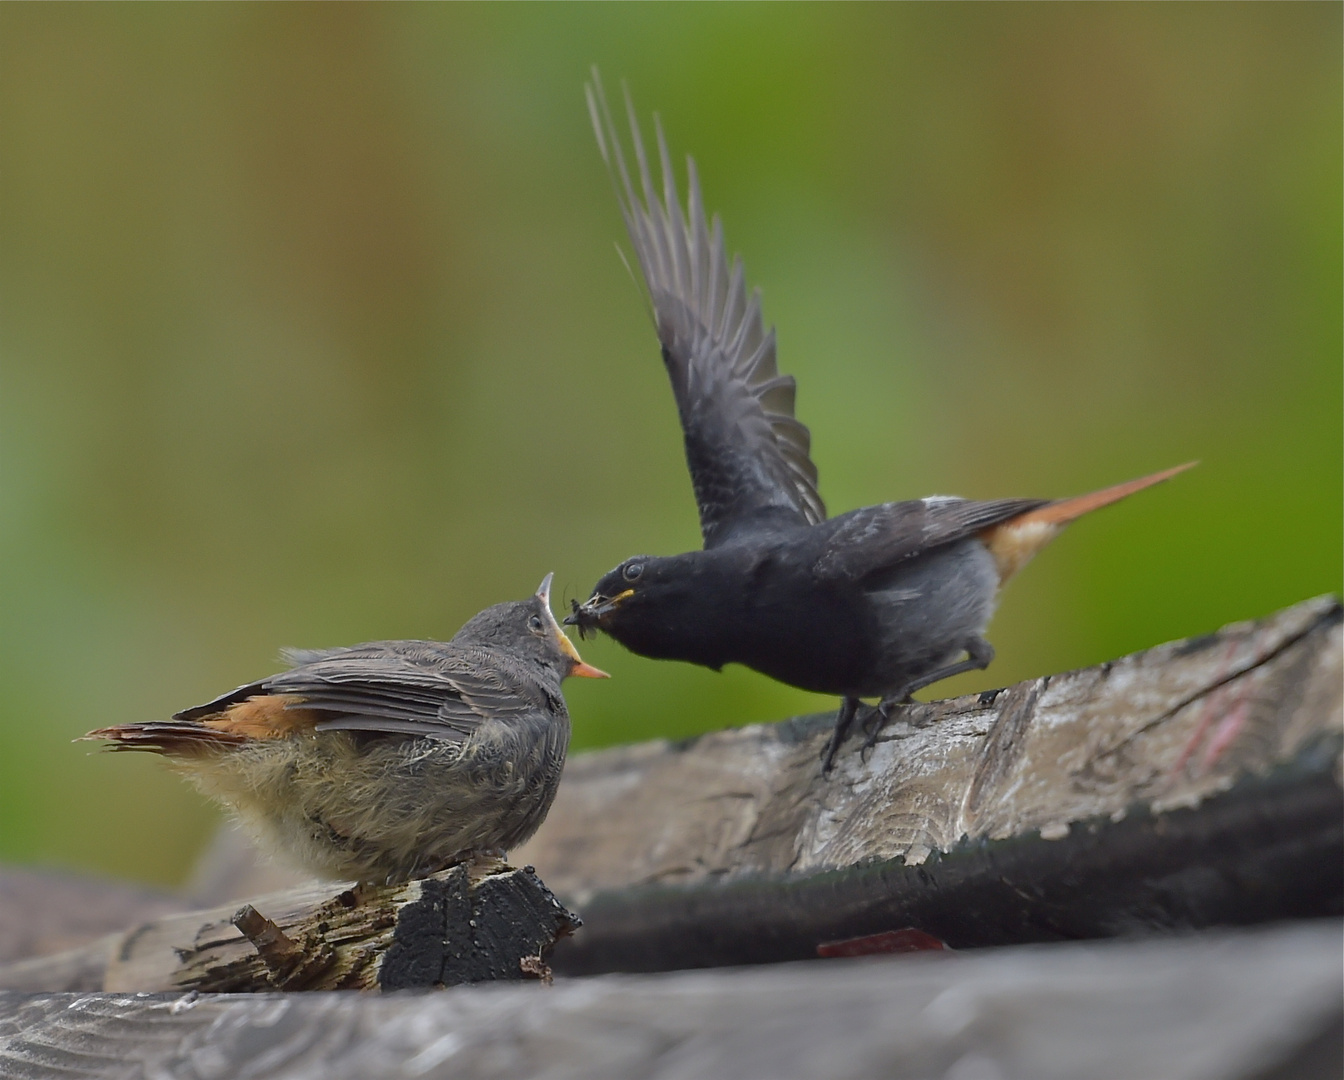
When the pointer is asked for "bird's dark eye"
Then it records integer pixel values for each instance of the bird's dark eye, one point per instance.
(632, 571)
(535, 624)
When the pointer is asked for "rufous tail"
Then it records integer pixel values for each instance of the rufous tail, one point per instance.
(172, 738)
(1015, 541)
(267, 716)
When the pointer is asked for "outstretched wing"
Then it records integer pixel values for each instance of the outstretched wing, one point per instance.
(748, 455)
(877, 538)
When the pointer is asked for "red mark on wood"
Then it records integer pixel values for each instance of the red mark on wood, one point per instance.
(906, 940)
(1230, 721)
(1225, 734)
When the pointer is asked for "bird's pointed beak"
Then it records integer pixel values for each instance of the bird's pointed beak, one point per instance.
(581, 669)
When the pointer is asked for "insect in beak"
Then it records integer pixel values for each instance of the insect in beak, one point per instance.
(575, 618)
(589, 614)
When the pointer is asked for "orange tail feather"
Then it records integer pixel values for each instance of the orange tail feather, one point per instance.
(269, 716)
(1063, 511)
(1015, 541)
(174, 738)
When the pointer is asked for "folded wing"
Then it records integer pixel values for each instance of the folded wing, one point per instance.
(877, 538)
(414, 688)
(398, 687)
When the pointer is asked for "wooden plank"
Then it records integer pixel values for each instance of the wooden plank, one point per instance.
(1217, 1006)
(1268, 851)
(1208, 770)
(46, 911)
(1165, 728)
(1193, 784)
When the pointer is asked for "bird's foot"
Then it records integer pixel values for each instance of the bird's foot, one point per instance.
(482, 864)
(828, 751)
(843, 719)
(876, 720)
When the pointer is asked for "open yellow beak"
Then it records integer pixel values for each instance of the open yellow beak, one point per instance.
(581, 669)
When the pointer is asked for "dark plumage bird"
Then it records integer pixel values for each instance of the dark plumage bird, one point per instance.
(392, 759)
(878, 602)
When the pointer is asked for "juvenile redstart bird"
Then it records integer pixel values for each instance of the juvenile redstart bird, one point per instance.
(393, 759)
(879, 602)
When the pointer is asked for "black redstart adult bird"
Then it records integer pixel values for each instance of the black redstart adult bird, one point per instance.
(878, 602)
(393, 759)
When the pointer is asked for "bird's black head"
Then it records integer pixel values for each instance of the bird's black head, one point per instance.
(659, 607)
(526, 629)
(619, 592)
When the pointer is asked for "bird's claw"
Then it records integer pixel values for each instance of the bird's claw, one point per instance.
(875, 721)
(844, 718)
(828, 752)
(872, 726)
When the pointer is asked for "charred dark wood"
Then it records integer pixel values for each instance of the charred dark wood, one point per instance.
(501, 929)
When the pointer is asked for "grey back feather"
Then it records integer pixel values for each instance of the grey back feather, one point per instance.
(433, 689)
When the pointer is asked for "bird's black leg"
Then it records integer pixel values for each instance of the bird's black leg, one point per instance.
(979, 655)
(848, 708)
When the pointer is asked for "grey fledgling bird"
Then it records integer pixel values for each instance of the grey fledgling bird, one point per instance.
(393, 759)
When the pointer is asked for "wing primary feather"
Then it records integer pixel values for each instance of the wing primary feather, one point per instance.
(748, 454)
(394, 726)
(651, 210)
(609, 144)
(718, 282)
(748, 329)
(679, 269)
(761, 362)
(702, 266)
(737, 297)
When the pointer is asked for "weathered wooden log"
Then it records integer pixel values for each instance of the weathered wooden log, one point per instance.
(450, 928)
(1194, 784)
(1246, 1005)
(1197, 783)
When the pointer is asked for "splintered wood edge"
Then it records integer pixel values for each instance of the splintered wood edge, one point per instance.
(195, 949)
(317, 937)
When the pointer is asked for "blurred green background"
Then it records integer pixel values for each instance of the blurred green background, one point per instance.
(312, 332)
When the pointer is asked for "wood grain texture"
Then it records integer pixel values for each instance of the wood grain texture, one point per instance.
(1191, 785)
(1166, 728)
(1258, 1005)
